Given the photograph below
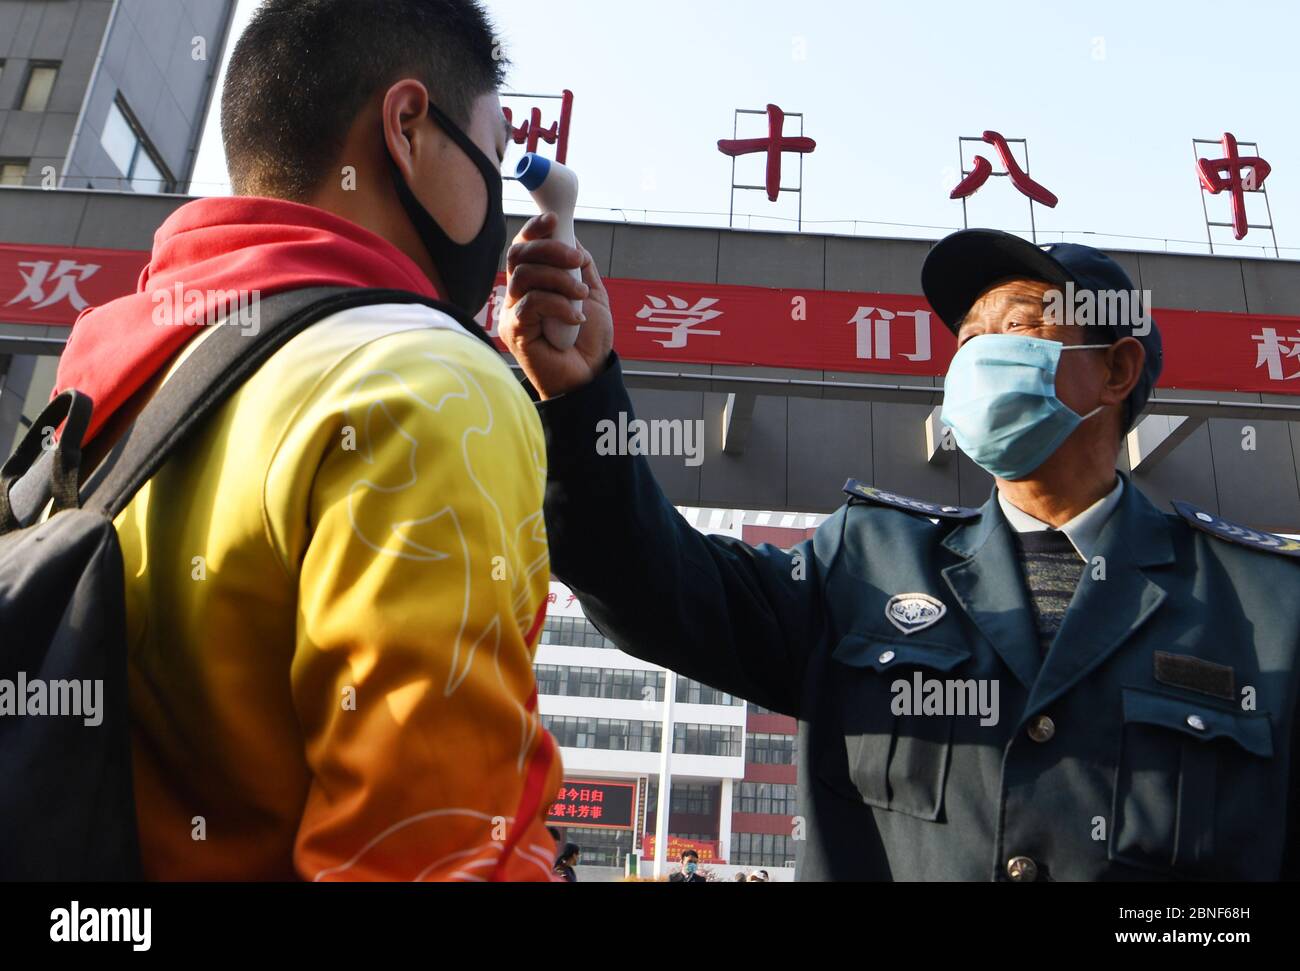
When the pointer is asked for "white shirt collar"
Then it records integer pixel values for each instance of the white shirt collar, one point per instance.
(1083, 531)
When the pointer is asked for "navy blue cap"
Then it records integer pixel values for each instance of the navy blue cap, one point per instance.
(962, 266)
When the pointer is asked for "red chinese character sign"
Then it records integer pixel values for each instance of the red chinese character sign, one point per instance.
(982, 169)
(1235, 174)
(532, 132)
(775, 146)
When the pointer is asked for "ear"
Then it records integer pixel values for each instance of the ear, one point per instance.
(404, 111)
(1126, 359)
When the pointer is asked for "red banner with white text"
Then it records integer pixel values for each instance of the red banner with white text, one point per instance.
(705, 323)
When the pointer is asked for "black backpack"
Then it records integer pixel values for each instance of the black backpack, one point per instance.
(67, 806)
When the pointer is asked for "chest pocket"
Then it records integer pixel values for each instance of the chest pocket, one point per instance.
(1176, 759)
(897, 762)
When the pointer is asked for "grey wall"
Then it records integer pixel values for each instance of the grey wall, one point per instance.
(801, 450)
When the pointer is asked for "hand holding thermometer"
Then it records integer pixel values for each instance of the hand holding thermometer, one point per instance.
(555, 189)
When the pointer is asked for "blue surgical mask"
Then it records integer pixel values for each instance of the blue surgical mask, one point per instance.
(1000, 400)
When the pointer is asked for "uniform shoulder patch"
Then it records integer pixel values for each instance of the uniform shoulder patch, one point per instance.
(866, 493)
(1234, 533)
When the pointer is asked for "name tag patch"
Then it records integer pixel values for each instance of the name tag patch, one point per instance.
(1195, 674)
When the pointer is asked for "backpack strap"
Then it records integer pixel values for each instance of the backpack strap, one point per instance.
(214, 371)
(62, 457)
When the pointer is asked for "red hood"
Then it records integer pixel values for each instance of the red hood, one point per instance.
(240, 243)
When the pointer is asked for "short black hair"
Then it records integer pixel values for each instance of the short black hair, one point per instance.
(686, 853)
(303, 70)
(568, 851)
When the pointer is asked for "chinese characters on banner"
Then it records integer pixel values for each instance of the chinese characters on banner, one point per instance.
(599, 805)
(52, 285)
(677, 845)
(888, 333)
(704, 323)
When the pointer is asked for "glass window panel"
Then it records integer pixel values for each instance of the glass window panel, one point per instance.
(146, 177)
(119, 139)
(40, 82)
(13, 173)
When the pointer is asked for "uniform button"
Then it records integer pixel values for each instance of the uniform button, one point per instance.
(1197, 722)
(1042, 728)
(1022, 869)
(887, 657)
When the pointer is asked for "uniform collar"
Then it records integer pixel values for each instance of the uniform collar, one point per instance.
(1083, 531)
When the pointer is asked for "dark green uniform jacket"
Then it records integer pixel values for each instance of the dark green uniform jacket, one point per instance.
(1155, 741)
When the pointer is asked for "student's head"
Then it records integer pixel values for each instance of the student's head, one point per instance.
(690, 861)
(570, 854)
(384, 112)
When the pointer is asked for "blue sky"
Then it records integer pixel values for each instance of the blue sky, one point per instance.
(1108, 93)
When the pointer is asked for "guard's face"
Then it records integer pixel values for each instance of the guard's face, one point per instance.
(1021, 307)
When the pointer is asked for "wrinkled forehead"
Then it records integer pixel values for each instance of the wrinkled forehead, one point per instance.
(1011, 292)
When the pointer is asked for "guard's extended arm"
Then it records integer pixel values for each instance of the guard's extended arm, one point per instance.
(712, 608)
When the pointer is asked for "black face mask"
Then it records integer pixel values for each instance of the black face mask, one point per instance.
(468, 270)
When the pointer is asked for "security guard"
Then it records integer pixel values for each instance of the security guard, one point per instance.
(1063, 684)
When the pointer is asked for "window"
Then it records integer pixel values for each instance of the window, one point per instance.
(770, 749)
(696, 798)
(706, 739)
(761, 849)
(12, 171)
(600, 847)
(40, 82)
(582, 682)
(615, 734)
(573, 632)
(128, 148)
(695, 693)
(768, 798)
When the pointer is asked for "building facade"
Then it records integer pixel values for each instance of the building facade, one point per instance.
(733, 795)
(107, 95)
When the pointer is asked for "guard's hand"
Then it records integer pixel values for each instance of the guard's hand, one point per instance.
(539, 285)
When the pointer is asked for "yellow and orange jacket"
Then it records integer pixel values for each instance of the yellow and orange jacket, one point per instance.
(335, 588)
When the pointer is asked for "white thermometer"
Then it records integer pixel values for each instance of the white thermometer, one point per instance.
(555, 189)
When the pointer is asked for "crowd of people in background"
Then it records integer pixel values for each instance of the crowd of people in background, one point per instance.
(689, 872)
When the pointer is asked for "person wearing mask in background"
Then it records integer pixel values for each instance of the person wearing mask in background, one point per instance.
(1138, 668)
(566, 862)
(689, 873)
(347, 693)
